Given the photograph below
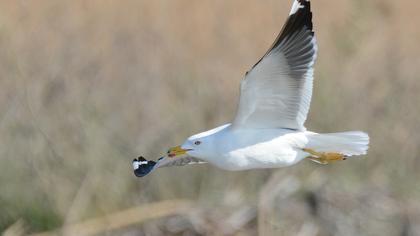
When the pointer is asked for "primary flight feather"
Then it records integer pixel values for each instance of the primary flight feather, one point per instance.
(268, 130)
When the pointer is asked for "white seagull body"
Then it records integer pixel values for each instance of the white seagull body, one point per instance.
(268, 130)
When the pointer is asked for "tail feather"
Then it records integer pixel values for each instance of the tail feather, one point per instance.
(351, 143)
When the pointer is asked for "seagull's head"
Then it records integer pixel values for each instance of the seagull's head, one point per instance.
(192, 147)
(195, 146)
(201, 146)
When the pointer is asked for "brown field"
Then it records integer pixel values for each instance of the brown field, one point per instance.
(86, 86)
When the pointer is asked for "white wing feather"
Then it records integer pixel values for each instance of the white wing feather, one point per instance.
(276, 92)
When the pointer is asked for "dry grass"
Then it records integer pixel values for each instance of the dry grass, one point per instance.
(86, 86)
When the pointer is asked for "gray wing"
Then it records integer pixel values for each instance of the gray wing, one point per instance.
(277, 91)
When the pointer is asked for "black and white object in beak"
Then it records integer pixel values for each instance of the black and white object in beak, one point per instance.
(142, 166)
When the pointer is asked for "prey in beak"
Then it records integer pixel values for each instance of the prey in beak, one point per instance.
(142, 166)
(177, 151)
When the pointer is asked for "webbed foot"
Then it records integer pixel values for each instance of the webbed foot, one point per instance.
(324, 157)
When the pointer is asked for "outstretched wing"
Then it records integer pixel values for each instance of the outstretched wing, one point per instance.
(276, 92)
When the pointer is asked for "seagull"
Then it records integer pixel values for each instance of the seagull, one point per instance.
(268, 130)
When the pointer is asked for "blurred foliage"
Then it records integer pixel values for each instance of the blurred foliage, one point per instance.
(85, 86)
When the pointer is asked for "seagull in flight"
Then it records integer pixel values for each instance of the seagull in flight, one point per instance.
(268, 130)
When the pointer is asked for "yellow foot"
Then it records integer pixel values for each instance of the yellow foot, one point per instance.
(324, 157)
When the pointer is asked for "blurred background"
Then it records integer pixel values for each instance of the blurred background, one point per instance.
(86, 86)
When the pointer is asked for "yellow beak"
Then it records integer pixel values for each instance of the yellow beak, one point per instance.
(177, 151)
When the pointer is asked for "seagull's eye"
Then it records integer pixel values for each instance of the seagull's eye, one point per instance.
(197, 142)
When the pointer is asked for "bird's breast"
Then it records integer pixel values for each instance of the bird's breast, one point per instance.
(252, 149)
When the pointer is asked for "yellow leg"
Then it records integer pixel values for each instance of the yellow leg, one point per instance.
(324, 157)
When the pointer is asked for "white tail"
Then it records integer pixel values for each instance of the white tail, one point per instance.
(351, 143)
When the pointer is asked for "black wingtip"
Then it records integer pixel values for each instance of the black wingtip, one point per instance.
(142, 167)
(301, 19)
